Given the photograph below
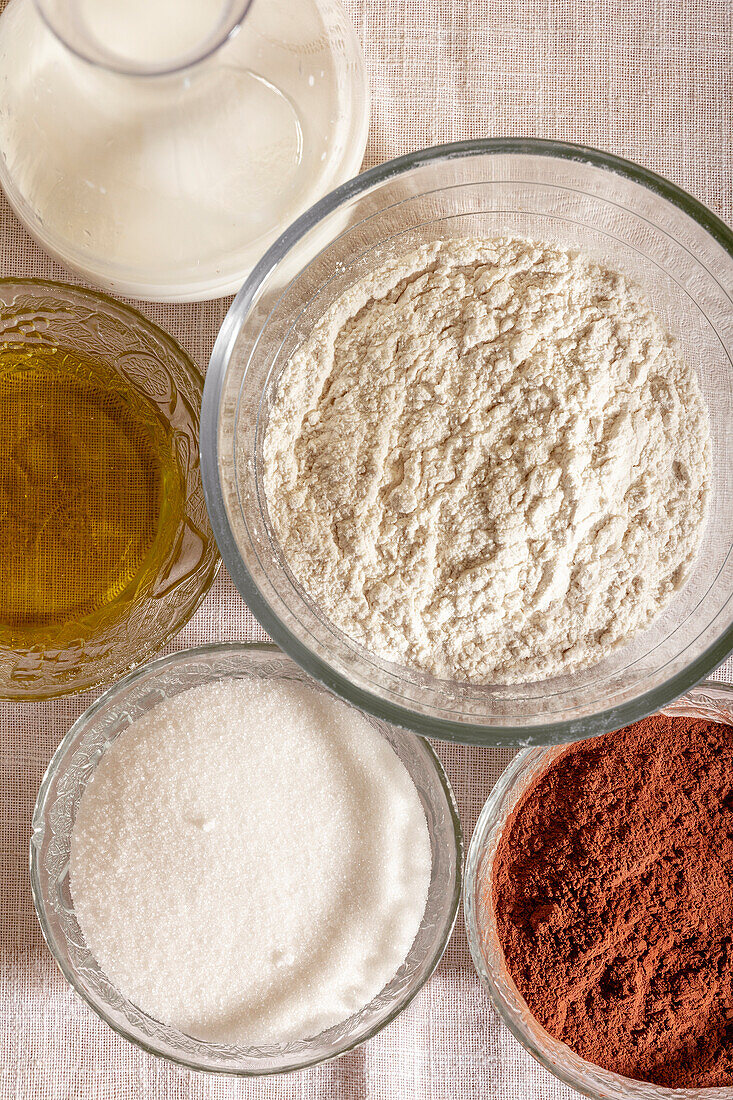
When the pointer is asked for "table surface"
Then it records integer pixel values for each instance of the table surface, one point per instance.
(651, 80)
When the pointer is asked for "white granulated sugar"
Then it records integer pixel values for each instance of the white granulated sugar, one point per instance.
(250, 862)
(489, 461)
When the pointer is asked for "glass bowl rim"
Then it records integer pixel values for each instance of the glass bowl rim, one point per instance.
(123, 311)
(649, 702)
(113, 305)
(38, 828)
(507, 778)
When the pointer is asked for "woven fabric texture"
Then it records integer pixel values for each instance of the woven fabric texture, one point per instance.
(651, 80)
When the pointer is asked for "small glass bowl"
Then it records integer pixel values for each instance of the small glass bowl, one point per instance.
(710, 700)
(37, 312)
(53, 820)
(619, 214)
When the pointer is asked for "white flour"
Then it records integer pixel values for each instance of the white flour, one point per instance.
(489, 461)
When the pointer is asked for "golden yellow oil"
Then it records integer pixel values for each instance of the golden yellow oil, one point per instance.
(91, 495)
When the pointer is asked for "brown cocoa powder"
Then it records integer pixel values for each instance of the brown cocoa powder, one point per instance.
(613, 893)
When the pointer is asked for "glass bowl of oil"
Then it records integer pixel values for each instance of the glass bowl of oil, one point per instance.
(105, 544)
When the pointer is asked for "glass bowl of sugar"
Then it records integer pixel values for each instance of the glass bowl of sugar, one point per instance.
(439, 534)
(162, 801)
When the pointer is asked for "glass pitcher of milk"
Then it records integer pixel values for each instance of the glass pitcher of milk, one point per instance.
(157, 147)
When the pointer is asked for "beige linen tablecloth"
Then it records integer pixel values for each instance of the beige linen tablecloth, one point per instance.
(651, 80)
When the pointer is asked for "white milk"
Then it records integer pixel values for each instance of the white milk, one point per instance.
(153, 33)
(171, 187)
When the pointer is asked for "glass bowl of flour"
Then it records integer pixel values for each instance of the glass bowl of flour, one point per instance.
(117, 885)
(466, 442)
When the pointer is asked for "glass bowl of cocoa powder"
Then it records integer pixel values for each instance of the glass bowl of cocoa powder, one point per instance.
(598, 888)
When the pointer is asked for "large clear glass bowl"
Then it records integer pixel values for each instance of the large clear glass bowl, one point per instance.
(53, 821)
(713, 701)
(623, 216)
(38, 312)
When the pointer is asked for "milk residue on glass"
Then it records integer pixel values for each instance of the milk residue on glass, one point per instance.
(278, 875)
(158, 147)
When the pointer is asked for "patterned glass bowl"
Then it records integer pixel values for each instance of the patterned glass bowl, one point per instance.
(618, 213)
(710, 700)
(53, 821)
(38, 312)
